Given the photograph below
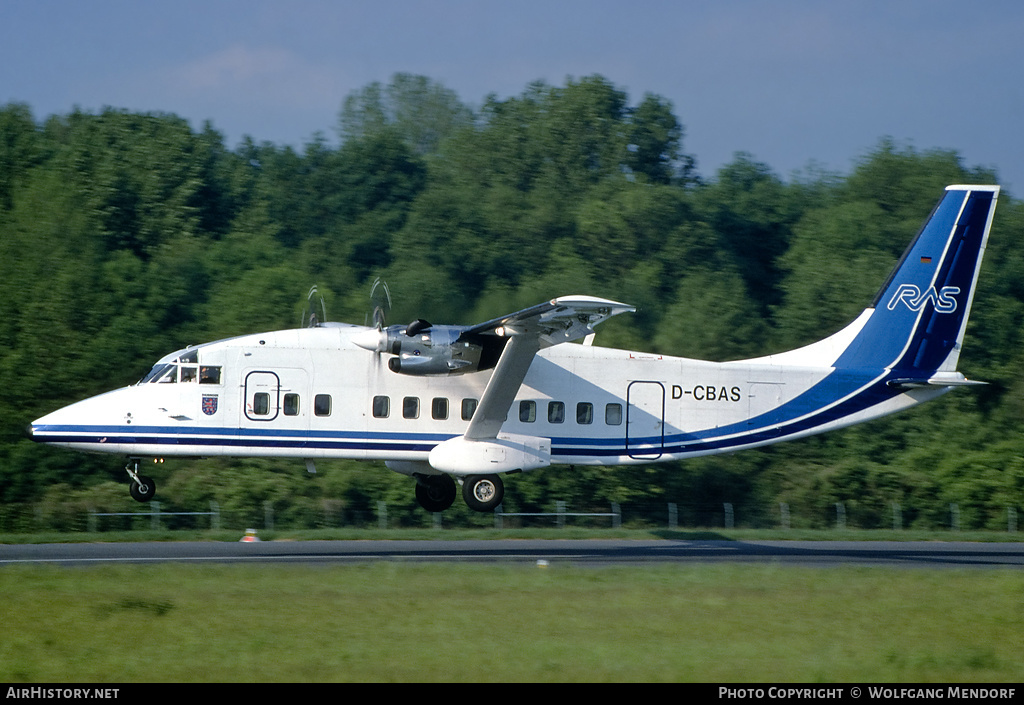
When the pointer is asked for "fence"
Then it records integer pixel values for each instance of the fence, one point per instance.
(155, 514)
(839, 515)
(671, 516)
(560, 514)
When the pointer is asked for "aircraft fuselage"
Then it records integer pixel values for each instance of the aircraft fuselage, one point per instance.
(311, 394)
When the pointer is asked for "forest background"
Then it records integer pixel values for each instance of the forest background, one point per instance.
(124, 236)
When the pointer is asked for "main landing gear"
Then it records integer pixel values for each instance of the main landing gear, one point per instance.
(483, 493)
(435, 493)
(142, 488)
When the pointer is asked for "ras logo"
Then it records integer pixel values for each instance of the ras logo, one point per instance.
(911, 296)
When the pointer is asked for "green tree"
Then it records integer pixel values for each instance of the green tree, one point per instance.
(655, 143)
(712, 319)
(750, 210)
(423, 112)
(838, 258)
(19, 149)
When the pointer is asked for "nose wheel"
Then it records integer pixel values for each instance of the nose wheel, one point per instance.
(142, 488)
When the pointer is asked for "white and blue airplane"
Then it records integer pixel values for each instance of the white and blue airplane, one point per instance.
(453, 405)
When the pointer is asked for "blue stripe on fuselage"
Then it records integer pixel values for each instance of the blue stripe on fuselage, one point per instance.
(840, 394)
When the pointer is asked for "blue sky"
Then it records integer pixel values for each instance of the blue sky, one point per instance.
(793, 82)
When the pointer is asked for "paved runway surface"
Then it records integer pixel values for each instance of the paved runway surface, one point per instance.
(582, 552)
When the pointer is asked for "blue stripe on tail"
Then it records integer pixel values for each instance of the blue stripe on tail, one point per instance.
(920, 312)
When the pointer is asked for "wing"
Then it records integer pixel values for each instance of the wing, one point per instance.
(557, 321)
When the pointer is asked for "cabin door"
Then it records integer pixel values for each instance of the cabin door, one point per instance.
(645, 420)
(262, 396)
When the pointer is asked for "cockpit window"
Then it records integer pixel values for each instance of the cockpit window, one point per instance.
(161, 373)
(154, 373)
(184, 369)
(208, 374)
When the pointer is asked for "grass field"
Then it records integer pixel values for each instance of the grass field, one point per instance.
(408, 622)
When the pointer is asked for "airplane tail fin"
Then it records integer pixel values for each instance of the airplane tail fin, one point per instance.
(916, 323)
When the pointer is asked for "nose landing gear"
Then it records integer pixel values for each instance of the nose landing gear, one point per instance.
(142, 488)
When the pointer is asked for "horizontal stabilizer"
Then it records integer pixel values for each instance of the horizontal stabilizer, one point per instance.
(954, 379)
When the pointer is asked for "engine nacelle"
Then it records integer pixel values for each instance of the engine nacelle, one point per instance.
(423, 349)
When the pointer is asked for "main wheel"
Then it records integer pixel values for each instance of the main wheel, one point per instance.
(143, 490)
(435, 493)
(483, 492)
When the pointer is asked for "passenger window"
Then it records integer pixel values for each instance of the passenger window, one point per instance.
(261, 404)
(613, 414)
(527, 411)
(439, 408)
(584, 413)
(322, 405)
(556, 412)
(411, 408)
(291, 404)
(209, 375)
(468, 408)
(381, 407)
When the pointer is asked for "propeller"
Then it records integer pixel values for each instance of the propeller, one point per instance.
(418, 348)
(376, 339)
(380, 298)
(315, 312)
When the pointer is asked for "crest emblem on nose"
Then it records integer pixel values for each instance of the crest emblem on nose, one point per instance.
(209, 404)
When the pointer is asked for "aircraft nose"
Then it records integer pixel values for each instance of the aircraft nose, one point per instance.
(30, 430)
(37, 429)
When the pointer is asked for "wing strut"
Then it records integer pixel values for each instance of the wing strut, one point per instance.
(481, 450)
(557, 321)
(505, 381)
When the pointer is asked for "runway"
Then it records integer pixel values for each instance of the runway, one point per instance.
(554, 552)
